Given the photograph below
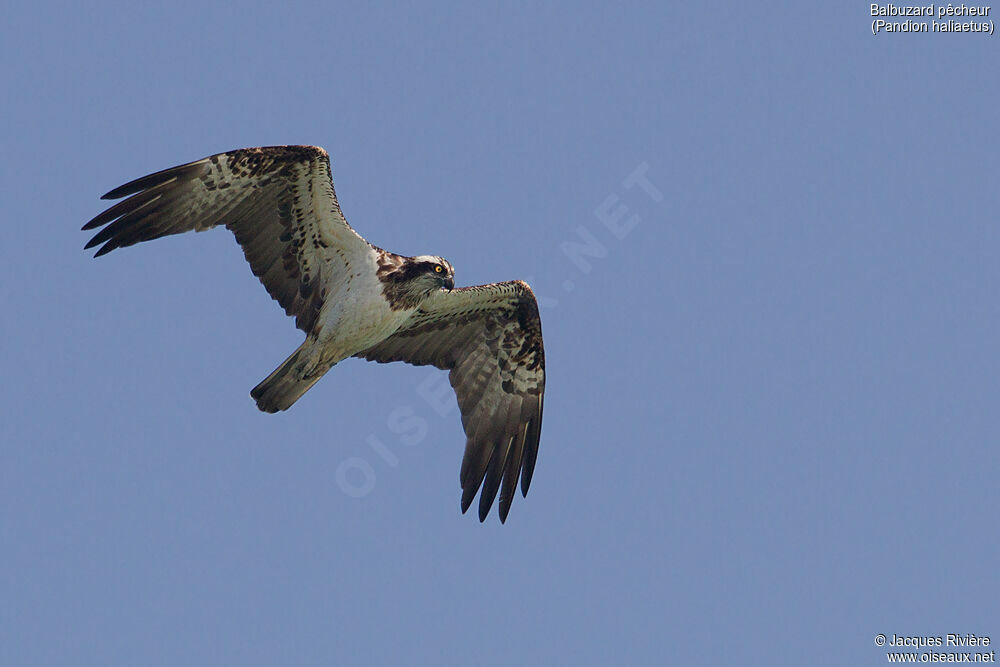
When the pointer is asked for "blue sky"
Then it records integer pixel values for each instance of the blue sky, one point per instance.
(770, 427)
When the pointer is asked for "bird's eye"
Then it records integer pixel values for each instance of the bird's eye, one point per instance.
(438, 268)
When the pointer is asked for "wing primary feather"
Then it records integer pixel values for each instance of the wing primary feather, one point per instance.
(477, 457)
(157, 178)
(152, 221)
(494, 474)
(531, 437)
(511, 473)
(148, 223)
(469, 491)
(122, 208)
(128, 217)
(479, 447)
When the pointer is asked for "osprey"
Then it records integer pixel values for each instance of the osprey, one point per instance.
(353, 299)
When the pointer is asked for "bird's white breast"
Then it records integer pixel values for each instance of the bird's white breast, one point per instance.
(357, 314)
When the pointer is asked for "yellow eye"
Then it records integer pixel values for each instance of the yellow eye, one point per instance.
(438, 268)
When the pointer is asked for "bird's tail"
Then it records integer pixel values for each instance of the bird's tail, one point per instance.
(294, 377)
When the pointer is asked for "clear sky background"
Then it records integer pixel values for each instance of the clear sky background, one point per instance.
(771, 413)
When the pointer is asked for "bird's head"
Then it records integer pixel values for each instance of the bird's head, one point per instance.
(430, 272)
(407, 281)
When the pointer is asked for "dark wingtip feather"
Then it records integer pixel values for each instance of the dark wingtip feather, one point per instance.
(151, 180)
(129, 188)
(105, 249)
(474, 464)
(526, 479)
(101, 218)
(494, 475)
(511, 473)
(485, 503)
(504, 508)
(525, 482)
(531, 439)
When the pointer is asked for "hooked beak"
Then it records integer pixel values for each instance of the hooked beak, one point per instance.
(449, 284)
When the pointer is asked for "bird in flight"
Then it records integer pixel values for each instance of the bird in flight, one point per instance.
(353, 299)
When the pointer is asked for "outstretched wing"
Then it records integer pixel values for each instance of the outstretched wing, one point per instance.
(490, 338)
(278, 201)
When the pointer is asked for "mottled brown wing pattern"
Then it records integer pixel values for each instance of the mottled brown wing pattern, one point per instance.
(279, 202)
(490, 339)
